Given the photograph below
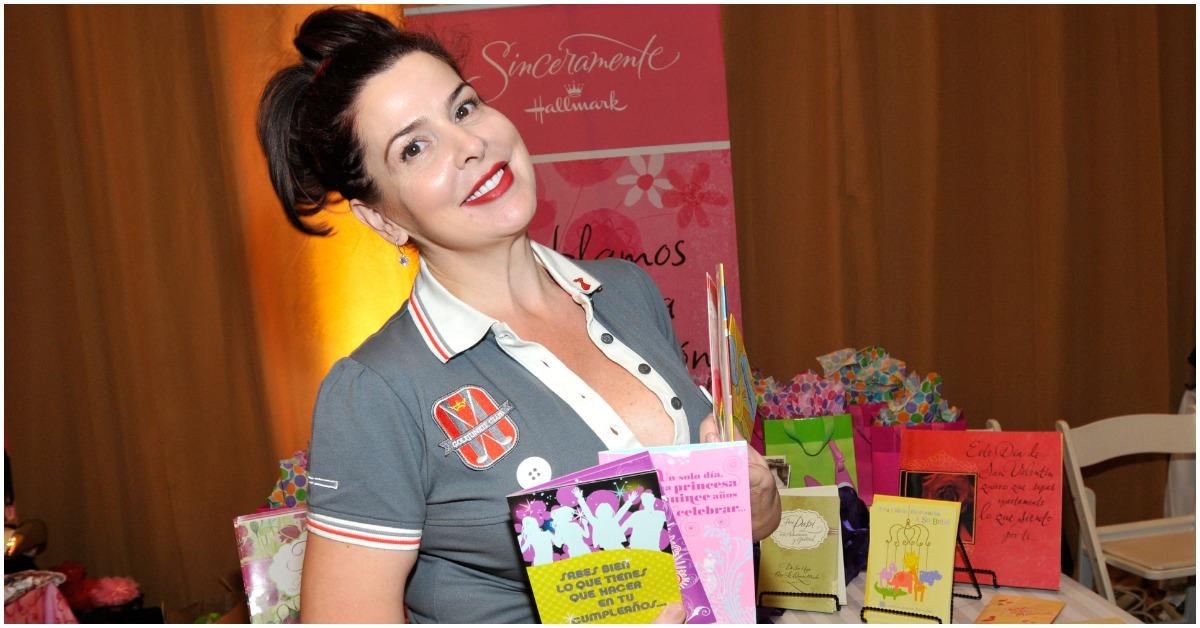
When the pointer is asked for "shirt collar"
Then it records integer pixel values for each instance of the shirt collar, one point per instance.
(450, 326)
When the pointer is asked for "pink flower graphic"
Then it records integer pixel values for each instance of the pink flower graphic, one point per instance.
(289, 533)
(645, 180)
(587, 172)
(603, 233)
(691, 196)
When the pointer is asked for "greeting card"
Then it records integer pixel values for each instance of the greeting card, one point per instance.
(708, 487)
(742, 401)
(271, 549)
(601, 546)
(804, 554)
(732, 388)
(1010, 488)
(720, 367)
(1019, 609)
(910, 563)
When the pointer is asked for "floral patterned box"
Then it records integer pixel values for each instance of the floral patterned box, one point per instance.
(271, 546)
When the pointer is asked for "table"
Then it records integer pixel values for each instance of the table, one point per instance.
(1082, 604)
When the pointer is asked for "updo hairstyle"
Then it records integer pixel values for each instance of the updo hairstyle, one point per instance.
(305, 118)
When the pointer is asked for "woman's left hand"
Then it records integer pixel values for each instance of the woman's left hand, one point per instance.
(764, 496)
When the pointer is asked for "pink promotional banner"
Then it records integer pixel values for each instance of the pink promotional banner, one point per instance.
(623, 110)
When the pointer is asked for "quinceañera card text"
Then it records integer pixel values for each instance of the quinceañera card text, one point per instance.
(708, 487)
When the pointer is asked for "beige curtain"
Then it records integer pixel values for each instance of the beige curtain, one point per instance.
(1004, 195)
(134, 409)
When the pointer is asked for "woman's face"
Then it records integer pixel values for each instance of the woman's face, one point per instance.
(452, 172)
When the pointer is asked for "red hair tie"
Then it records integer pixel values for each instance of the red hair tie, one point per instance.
(321, 68)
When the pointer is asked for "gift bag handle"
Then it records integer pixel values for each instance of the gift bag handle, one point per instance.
(790, 430)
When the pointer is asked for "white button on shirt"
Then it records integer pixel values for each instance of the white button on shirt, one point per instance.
(469, 326)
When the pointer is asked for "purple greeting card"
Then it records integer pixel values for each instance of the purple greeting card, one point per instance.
(572, 529)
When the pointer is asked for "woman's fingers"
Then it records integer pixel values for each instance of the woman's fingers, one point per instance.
(671, 614)
(708, 429)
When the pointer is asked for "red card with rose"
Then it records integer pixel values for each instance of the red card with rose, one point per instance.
(1010, 488)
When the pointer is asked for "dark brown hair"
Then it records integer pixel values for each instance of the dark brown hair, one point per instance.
(305, 118)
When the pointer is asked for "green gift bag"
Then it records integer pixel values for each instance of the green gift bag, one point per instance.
(818, 447)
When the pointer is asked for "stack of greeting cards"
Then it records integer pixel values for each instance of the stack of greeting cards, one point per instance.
(1010, 487)
(601, 546)
(271, 546)
(910, 564)
(707, 486)
(802, 566)
(732, 390)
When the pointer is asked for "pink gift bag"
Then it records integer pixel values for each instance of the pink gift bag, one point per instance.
(885, 452)
(862, 415)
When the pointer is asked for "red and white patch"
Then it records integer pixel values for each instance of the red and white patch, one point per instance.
(478, 429)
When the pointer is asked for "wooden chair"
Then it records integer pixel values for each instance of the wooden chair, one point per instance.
(1155, 549)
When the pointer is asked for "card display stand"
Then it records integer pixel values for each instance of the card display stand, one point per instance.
(837, 605)
(973, 572)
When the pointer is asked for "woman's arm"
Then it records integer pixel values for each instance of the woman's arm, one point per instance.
(344, 583)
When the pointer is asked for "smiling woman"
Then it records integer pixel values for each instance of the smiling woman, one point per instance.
(509, 364)
(447, 169)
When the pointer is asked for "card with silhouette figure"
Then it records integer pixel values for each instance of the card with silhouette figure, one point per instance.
(601, 546)
(910, 563)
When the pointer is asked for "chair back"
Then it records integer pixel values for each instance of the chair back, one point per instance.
(1128, 435)
(1111, 438)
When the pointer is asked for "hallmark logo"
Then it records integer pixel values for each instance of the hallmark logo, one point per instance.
(574, 102)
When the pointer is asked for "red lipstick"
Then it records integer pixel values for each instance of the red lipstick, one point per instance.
(503, 180)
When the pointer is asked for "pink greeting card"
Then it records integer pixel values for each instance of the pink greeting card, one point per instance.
(708, 486)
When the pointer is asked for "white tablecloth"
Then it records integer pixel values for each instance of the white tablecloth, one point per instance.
(1082, 604)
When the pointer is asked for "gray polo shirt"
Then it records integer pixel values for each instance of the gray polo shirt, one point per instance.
(423, 430)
